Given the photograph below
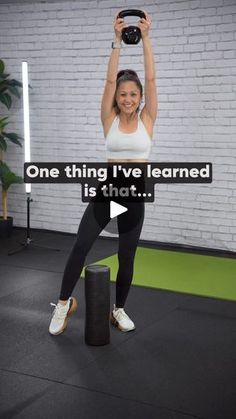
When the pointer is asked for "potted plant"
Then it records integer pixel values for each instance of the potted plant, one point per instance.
(8, 88)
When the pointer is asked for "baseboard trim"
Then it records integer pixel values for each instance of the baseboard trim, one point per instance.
(156, 245)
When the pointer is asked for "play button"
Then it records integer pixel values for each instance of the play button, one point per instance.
(116, 209)
(113, 217)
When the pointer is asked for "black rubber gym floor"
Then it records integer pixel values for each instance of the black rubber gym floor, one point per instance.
(179, 363)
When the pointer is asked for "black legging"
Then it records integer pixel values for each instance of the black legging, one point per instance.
(129, 228)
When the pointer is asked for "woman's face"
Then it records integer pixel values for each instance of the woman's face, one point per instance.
(128, 97)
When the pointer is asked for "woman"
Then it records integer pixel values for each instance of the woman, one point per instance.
(128, 138)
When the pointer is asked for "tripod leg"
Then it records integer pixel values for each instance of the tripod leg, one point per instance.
(28, 241)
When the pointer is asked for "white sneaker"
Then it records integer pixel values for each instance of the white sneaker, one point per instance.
(60, 314)
(120, 319)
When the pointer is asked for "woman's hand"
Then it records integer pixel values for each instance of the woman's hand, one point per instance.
(119, 25)
(144, 25)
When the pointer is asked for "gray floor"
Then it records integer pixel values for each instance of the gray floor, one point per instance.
(180, 362)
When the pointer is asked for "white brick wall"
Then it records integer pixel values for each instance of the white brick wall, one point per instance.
(67, 46)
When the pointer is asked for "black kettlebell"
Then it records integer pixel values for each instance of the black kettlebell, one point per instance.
(131, 34)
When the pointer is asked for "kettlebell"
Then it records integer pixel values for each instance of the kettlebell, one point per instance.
(131, 34)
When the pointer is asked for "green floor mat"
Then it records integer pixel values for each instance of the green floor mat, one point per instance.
(189, 273)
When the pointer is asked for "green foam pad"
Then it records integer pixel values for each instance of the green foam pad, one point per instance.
(209, 276)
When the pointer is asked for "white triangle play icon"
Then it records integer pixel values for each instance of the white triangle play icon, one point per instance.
(116, 209)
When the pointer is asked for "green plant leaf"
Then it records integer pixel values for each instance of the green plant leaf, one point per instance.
(2, 67)
(3, 144)
(7, 177)
(13, 90)
(5, 75)
(5, 98)
(9, 87)
(3, 85)
(14, 82)
(2, 79)
(13, 137)
(3, 122)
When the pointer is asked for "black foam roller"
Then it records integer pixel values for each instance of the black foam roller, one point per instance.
(97, 298)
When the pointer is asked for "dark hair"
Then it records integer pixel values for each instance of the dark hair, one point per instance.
(127, 75)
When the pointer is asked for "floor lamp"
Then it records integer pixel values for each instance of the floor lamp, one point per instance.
(25, 83)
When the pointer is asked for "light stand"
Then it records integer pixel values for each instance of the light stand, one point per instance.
(28, 241)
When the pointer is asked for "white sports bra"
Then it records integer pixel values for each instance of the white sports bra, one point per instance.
(122, 145)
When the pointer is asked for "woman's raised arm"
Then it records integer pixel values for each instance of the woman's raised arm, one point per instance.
(150, 90)
(107, 105)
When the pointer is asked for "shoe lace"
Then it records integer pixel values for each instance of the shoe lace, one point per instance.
(58, 312)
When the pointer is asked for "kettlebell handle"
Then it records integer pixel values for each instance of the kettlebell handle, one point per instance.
(131, 12)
